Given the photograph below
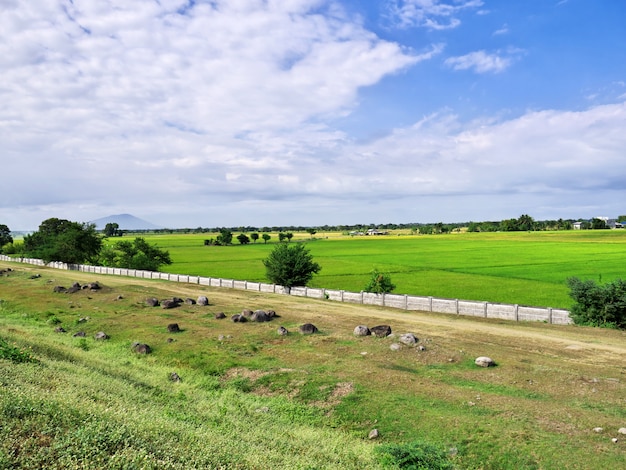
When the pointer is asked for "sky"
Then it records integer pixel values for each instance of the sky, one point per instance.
(230, 113)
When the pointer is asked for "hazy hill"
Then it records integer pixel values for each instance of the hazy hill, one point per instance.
(125, 222)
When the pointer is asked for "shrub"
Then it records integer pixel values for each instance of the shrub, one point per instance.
(380, 283)
(413, 456)
(598, 305)
(14, 354)
(290, 265)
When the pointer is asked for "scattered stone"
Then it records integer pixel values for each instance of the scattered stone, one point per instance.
(203, 300)
(174, 377)
(173, 328)
(408, 339)
(246, 313)
(598, 430)
(362, 330)
(621, 431)
(615, 440)
(59, 289)
(272, 314)
(119, 297)
(263, 409)
(381, 331)
(484, 361)
(220, 315)
(101, 335)
(141, 348)
(260, 316)
(170, 303)
(282, 331)
(190, 301)
(421, 348)
(80, 334)
(170, 340)
(395, 346)
(83, 319)
(238, 318)
(34, 276)
(152, 302)
(308, 329)
(92, 286)
(374, 434)
(59, 329)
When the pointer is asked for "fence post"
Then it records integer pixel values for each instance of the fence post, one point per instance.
(361, 297)
(383, 299)
(486, 309)
(456, 304)
(406, 302)
(430, 303)
(550, 315)
(516, 312)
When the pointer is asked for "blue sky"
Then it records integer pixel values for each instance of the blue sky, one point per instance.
(311, 112)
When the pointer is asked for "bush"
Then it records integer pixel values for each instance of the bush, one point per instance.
(598, 305)
(413, 456)
(380, 283)
(290, 265)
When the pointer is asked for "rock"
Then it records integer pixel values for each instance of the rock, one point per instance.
(141, 348)
(374, 434)
(621, 431)
(190, 301)
(421, 348)
(238, 318)
(615, 440)
(408, 339)
(83, 319)
(203, 300)
(282, 331)
(220, 315)
(80, 334)
(59, 329)
(260, 316)
(59, 289)
(484, 361)
(174, 377)
(381, 331)
(362, 330)
(395, 346)
(308, 329)
(170, 303)
(92, 286)
(598, 430)
(74, 288)
(173, 328)
(246, 313)
(152, 302)
(170, 340)
(101, 335)
(272, 314)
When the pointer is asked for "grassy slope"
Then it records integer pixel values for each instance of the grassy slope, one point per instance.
(253, 399)
(516, 268)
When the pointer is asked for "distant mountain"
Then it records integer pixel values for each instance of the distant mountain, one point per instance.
(125, 222)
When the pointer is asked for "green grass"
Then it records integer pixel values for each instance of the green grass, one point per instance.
(527, 268)
(250, 399)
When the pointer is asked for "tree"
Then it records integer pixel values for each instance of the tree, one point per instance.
(598, 305)
(266, 237)
(379, 283)
(254, 236)
(311, 231)
(5, 235)
(243, 239)
(137, 254)
(225, 237)
(290, 265)
(289, 236)
(112, 229)
(282, 236)
(598, 224)
(63, 240)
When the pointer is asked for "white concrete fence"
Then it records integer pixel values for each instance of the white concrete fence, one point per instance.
(405, 302)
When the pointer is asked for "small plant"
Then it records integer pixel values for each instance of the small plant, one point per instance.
(413, 456)
(54, 320)
(380, 283)
(14, 354)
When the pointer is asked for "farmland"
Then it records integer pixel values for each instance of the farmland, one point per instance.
(251, 399)
(526, 268)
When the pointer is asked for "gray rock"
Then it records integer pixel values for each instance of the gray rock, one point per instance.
(152, 302)
(408, 339)
(203, 300)
(174, 377)
(373, 434)
(381, 331)
(246, 313)
(395, 346)
(621, 431)
(282, 331)
(101, 335)
(141, 348)
(190, 301)
(173, 328)
(80, 334)
(239, 319)
(362, 330)
(484, 361)
(169, 303)
(308, 329)
(220, 315)
(260, 316)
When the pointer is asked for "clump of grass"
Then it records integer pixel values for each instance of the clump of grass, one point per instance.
(414, 456)
(15, 354)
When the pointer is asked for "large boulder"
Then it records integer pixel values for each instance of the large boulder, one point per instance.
(173, 328)
(247, 313)
(282, 331)
(260, 316)
(59, 289)
(381, 331)
(101, 335)
(141, 348)
(170, 303)
(238, 318)
(203, 300)
(308, 329)
(484, 361)
(408, 339)
(190, 301)
(152, 302)
(362, 330)
(220, 315)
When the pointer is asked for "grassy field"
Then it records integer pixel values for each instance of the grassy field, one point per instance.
(526, 268)
(251, 399)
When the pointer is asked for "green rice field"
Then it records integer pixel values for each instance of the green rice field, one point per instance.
(525, 268)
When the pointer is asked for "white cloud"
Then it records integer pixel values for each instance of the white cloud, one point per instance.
(480, 62)
(429, 14)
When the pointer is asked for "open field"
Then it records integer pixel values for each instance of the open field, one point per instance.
(250, 398)
(526, 268)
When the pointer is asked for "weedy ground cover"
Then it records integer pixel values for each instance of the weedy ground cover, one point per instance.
(250, 398)
(527, 268)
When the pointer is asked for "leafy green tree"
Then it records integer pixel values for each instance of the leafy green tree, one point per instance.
(243, 239)
(598, 305)
(136, 254)
(290, 265)
(63, 240)
(289, 236)
(380, 283)
(225, 237)
(598, 224)
(5, 235)
(112, 229)
(266, 237)
(254, 236)
(311, 231)
(282, 236)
